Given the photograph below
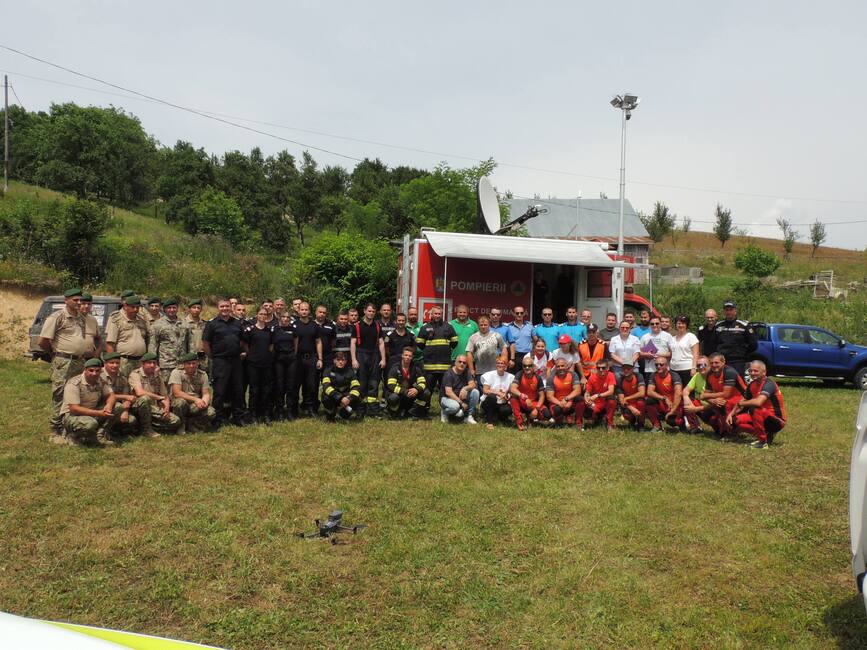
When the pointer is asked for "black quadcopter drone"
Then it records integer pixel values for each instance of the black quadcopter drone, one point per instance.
(331, 527)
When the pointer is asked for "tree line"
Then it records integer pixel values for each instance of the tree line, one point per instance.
(252, 200)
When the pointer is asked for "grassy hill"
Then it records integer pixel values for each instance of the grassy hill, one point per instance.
(155, 258)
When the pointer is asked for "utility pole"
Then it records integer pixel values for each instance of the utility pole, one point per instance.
(5, 134)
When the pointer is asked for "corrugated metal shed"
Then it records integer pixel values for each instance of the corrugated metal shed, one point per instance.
(597, 219)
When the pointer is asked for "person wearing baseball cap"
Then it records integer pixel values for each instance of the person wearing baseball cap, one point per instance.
(566, 350)
(591, 351)
(735, 338)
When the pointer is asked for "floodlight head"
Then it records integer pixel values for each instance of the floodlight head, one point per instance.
(630, 99)
(489, 206)
(617, 102)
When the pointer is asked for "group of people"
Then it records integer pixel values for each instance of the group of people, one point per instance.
(154, 372)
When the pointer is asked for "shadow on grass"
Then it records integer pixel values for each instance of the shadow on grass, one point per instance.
(815, 383)
(847, 621)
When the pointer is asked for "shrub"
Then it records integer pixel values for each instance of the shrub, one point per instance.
(756, 262)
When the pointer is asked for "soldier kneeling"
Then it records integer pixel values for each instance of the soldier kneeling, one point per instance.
(406, 390)
(152, 405)
(87, 410)
(341, 390)
(191, 395)
(124, 397)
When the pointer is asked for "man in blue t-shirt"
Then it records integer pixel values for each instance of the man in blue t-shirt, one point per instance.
(576, 330)
(643, 326)
(498, 326)
(520, 336)
(547, 330)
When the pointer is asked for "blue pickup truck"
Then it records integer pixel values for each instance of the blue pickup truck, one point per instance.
(809, 351)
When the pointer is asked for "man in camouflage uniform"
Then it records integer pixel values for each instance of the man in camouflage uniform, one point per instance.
(128, 334)
(153, 310)
(64, 338)
(195, 326)
(152, 405)
(124, 396)
(169, 339)
(191, 395)
(88, 407)
(91, 326)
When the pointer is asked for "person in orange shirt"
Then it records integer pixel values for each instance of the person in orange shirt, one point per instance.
(528, 395)
(563, 391)
(630, 396)
(665, 394)
(599, 397)
(591, 351)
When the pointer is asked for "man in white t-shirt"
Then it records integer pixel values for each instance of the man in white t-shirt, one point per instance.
(495, 394)
(655, 343)
(484, 348)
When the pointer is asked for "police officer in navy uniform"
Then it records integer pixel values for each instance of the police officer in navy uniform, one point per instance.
(308, 362)
(735, 339)
(285, 385)
(222, 342)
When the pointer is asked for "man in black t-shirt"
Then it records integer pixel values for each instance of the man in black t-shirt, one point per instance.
(308, 361)
(398, 339)
(368, 357)
(343, 333)
(221, 340)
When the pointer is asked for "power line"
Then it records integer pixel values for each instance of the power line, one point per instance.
(226, 119)
(178, 106)
(12, 88)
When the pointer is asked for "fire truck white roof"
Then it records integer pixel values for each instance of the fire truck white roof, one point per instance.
(525, 249)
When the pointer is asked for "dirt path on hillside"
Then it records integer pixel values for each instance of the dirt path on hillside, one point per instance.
(17, 310)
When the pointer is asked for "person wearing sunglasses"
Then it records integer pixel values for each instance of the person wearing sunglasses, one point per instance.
(563, 393)
(460, 396)
(693, 406)
(520, 336)
(655, 343)
(528, 396)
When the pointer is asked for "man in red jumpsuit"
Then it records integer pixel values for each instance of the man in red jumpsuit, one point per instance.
(599, 397)
(563, 393)
(761, 412)
(664, 395)
(630, 396)
(725, 388)
(528, 396)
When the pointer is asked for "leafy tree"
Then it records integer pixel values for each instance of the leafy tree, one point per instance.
(364, 219)
(445, 199)
(686, 224)
(723, 226)
(183, 173)
(660, 222)
(790, 236)
(367, 179)
(307, 198)
(818, 235)
(93, 152)
(756, 262)
(346, 271)
(216, 213)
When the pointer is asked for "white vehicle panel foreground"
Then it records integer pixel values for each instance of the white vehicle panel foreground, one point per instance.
(858, 498)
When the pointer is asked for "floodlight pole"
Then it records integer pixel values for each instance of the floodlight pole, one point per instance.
(622, 179)
(577, 214)
(5, 134)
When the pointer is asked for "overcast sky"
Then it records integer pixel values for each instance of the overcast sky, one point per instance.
(757, 105)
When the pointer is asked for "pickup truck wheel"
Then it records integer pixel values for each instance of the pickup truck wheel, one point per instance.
(860, 378)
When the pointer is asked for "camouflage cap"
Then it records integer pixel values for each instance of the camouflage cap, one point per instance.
(110, 356)
(148, 356)
(72, 293)
(93, 363)
(192, 356)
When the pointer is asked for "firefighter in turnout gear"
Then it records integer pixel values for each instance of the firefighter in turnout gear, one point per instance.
(341, 390)
(406, 392)
(436, 338)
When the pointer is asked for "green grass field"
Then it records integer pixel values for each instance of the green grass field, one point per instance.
(476, 538)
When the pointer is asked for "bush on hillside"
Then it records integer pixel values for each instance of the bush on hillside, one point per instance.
(756, 262)
(64, 234)
(345, 270)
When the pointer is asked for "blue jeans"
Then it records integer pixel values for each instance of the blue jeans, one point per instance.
(450, 406)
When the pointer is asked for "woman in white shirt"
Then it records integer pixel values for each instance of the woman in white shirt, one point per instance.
(495, 394)
(569, 351)
(623, 349)
(684, 352)
(540, 357)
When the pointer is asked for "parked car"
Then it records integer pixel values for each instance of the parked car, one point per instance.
(858, 499)
(102, 307)
(808, 351)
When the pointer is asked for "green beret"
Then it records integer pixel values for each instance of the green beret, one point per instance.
(170, 302)
(153, 300)
(130, 300)
(148, 356)
(126, 293)
(93, 363)
(71, 293)
(108, 356)
(86, 297)
(196, 301)
(192, 356)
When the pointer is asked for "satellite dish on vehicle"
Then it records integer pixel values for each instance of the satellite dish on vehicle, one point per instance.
(489, 206)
